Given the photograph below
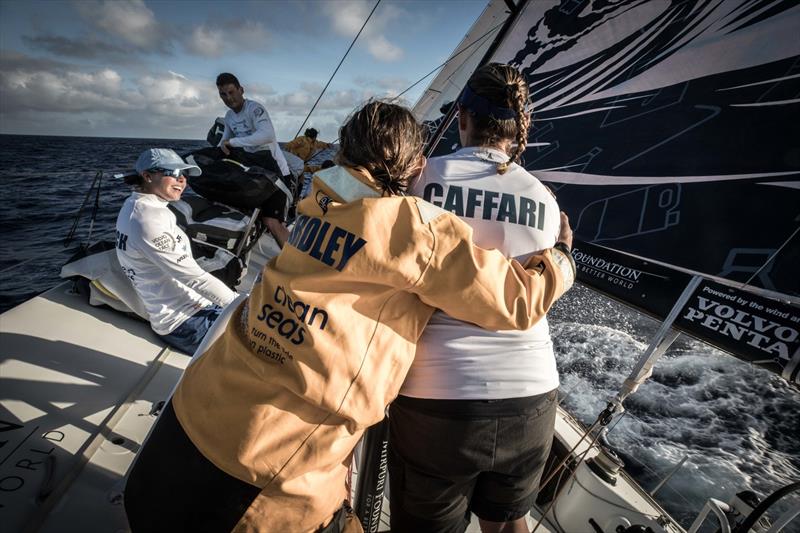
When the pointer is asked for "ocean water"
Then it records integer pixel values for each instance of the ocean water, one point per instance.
(736, 425)
(44, 182)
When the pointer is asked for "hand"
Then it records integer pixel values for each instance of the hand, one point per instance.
(226, 147)
(277, 228)
(565, 233)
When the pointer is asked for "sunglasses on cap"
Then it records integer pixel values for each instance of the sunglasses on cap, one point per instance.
(175, 173)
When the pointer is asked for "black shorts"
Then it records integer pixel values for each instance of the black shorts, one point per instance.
(173, 487)
(450, 458)
(277, 206)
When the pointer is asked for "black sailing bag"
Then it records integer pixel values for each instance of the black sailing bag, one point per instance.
(241, 180)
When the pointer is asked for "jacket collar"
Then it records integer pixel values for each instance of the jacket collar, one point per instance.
(346, 184)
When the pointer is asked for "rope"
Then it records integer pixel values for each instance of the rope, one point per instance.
(420, 80)
(337, 68)
(75, 222)
(13, 174)
(46, 253)
(470, 45)
(769, 260)
(25, 262)
(572, 474)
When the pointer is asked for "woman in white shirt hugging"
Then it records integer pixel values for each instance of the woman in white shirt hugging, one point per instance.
(472, 427)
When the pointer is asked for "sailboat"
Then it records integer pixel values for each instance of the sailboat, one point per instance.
(668, 130)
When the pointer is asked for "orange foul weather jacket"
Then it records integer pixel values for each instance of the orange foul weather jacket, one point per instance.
(305, 148)
(320, 348)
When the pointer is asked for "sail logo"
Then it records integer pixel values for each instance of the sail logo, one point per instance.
(610, 271)
(743, 320)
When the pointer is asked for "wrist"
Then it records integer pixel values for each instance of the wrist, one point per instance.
(564, 247)
(566, 263)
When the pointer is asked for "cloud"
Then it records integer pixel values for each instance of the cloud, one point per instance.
(118, 31)
(68, 91)
(84, 48)
(204, 41)
(130, 20)
(219, 38)
(247, 33)
(166, 98)
(11, 60)
(347, 17)
(43, 96)
(210, 40)
(392, 85)
(382, 49)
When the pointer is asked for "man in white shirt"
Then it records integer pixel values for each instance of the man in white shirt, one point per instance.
(248, 126)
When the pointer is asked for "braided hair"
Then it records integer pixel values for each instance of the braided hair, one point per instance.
(385, 140)
(503, 86)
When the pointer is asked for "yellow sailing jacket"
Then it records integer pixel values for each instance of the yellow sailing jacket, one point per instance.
(304, 148)
(321, 346)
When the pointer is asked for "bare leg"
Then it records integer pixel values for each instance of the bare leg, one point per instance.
(516, 526)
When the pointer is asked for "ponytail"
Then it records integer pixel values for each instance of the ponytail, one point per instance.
(507, 118)
(385, 140)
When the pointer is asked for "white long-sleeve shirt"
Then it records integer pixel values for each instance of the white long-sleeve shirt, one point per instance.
(252, 130)
(513, 213)
(156, 256)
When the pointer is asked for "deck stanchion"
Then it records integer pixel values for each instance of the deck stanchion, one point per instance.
(372, 473)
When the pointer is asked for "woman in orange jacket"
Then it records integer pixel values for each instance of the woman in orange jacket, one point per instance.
(259, 433)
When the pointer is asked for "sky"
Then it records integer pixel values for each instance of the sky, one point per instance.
(136, 68)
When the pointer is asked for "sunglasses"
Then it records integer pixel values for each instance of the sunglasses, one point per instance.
(176, 173)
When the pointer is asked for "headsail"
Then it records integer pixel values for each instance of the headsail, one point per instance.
(467, 56)
(670, 131)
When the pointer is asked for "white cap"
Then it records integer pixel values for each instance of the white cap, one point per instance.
(166, 159)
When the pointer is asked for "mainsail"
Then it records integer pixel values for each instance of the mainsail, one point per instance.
(670, 132)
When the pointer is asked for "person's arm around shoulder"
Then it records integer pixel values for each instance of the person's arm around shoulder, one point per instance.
(160, 244)
(486, 288)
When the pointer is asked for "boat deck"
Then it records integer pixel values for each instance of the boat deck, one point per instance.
(79, 384)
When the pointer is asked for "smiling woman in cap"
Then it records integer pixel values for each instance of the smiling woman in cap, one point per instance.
(182, 300)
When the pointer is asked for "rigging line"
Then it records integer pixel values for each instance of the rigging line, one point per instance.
(46, 253)
(470, 45)
(74, 228)
(655, 473)
(46, 173)
(615, 504)
(337, 68)
(473, 43)
(12, 267)
(572, 475)
(771, 257)
(569, 453)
